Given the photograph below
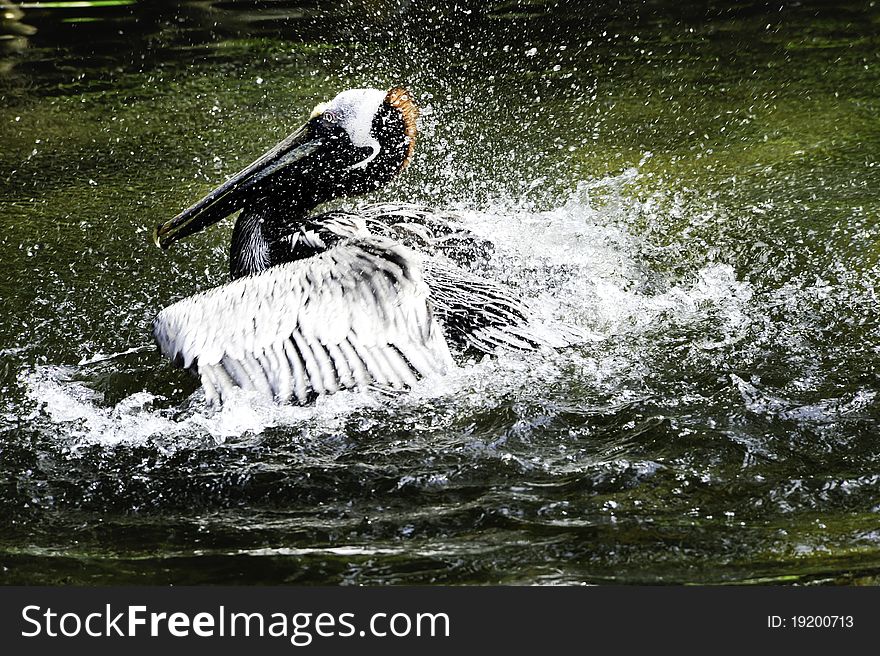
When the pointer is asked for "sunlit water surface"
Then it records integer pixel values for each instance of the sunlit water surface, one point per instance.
(696, 191)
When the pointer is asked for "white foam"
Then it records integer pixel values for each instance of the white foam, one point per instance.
(77, 408)
(99, 357)
(591, 269)
(135, 419)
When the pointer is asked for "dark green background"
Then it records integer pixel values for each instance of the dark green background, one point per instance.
(695, 183)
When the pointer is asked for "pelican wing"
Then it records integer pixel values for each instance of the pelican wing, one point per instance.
(485, 316)
(355, 315)
(421, 228)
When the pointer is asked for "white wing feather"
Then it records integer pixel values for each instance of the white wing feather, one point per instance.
(354, 315)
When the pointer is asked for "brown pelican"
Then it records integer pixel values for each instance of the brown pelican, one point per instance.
(319, 303)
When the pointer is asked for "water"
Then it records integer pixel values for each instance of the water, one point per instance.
(694, 188)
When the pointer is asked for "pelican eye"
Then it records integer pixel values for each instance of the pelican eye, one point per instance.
(330, 116)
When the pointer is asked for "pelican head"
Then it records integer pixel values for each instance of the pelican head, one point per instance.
(351, 145)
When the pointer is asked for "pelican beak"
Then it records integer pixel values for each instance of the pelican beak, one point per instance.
(232, 194)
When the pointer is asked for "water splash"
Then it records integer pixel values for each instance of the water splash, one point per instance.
(579, 264)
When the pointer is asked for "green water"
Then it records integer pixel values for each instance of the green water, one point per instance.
(696, 188)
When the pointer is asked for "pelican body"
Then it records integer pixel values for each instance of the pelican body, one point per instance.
(340, 300)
